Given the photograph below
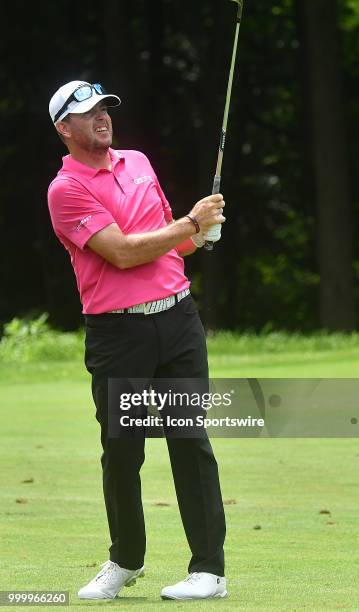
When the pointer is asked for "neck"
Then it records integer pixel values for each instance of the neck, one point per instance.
(94, 159)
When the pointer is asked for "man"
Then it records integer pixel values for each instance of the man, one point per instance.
(110, 213)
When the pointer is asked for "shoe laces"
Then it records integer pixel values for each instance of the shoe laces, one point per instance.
(192, 578)
(105, 573)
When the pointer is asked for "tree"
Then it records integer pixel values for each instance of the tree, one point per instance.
(318, 32)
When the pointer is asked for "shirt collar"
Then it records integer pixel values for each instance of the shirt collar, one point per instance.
(72, 165)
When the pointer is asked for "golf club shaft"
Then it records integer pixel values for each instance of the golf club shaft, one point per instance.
(215, 232)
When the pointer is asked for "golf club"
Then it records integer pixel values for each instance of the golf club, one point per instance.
(214, 233)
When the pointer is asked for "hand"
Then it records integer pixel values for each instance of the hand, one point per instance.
(209, 212)
(198, 240)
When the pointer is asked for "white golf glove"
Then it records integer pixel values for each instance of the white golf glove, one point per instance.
(214, 234)
(198, 240)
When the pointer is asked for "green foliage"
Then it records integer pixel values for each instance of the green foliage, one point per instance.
(349, 14)
(34, 340)
(268, 252)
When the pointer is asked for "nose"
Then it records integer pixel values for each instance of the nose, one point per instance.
(101, 112)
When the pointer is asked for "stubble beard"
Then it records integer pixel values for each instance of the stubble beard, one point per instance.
(93, 145)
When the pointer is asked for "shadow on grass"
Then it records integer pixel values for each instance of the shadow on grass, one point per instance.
(135, 601)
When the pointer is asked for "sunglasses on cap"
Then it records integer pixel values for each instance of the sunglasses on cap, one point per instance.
(81, 93)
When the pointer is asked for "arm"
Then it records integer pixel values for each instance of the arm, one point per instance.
(126, 251)
(186, 248)
(135, 249)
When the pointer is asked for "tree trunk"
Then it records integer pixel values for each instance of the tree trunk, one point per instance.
(318, 31)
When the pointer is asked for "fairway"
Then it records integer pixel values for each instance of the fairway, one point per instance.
(291, 505)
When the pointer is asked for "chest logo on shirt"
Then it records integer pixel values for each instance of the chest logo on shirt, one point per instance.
(142, 179)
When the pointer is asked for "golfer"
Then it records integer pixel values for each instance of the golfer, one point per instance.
(110, 213)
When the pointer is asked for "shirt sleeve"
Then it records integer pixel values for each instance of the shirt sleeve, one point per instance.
(75, 214)
(165, 203)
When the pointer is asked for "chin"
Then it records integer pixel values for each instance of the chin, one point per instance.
(104, 144)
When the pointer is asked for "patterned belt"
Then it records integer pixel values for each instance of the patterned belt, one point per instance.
(153, 307)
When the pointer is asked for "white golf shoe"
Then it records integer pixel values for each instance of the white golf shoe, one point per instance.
(109, 581)
(199, 585)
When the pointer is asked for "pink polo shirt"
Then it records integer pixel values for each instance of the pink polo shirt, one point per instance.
(83, 201)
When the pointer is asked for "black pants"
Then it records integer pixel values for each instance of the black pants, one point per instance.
(169, 344)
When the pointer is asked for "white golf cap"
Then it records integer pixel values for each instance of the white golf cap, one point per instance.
(59, 100)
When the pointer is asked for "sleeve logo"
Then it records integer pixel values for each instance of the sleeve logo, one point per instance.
(82, 223)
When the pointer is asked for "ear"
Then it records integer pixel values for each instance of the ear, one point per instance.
(63, 129)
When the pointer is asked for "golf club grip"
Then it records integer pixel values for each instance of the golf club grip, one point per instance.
(214, 234)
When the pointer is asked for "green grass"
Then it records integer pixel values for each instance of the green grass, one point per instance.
(279, 355)
(56, 536)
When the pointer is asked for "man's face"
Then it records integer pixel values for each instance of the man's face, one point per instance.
(91, 131)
